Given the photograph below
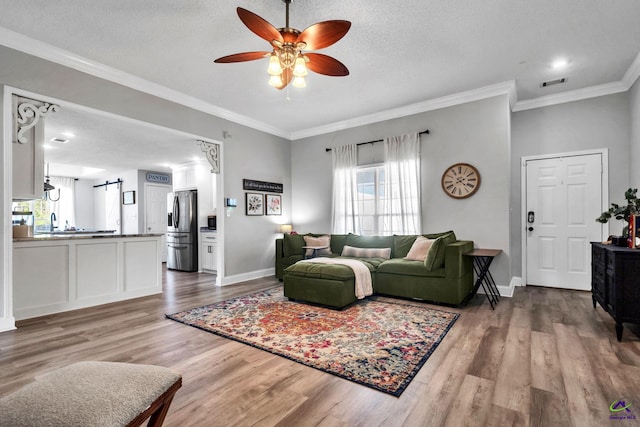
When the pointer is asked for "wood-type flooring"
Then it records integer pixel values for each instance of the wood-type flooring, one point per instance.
(545, 357)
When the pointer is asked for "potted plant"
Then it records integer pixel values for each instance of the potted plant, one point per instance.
(623, 212)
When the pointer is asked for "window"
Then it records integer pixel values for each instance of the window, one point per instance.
(63, 206)
(41, 213)
(370, 184)
(378, 199)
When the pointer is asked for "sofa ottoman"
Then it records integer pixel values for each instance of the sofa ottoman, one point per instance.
(331, 285)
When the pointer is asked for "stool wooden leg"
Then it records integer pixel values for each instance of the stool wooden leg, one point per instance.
(158, 409)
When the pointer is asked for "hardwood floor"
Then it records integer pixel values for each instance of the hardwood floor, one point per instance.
(543, 358)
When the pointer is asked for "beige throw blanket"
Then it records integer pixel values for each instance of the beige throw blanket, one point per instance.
(361, 272)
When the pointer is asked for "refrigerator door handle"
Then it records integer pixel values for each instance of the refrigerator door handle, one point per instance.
(176, 212)
(177, 247)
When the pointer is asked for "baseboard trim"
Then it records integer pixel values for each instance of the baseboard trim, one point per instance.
(507, 291)
(243, 277)
(7, 324)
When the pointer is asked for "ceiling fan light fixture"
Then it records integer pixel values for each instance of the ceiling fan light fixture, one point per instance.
(298, 81)
(300, 67)
(275, 69)
(275, 81)
(287, 60)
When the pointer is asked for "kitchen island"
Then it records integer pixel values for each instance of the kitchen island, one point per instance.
(54, 273)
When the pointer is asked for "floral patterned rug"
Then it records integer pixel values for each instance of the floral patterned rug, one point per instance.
(378, 344)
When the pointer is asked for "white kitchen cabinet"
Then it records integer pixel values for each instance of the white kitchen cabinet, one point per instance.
(83, 272)
(184, 178)
(208, 249)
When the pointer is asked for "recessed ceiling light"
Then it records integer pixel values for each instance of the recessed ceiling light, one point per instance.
(69, 134)
(559, 63)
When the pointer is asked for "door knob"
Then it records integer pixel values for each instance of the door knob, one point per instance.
(530, 228)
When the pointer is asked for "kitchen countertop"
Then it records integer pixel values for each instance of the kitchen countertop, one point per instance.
(80, 235)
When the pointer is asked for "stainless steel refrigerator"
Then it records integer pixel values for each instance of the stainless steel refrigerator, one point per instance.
(182, 230)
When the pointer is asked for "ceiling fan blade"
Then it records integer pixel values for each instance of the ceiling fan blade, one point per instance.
(287, 76)
(323, 64)
(242, 57)
(259, 26)
(324, 34)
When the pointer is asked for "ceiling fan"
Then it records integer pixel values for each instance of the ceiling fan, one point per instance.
(288, 60)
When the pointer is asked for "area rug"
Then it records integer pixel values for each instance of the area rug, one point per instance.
(378, 344)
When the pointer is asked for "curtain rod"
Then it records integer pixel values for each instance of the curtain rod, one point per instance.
(377, 140)
(119, 181)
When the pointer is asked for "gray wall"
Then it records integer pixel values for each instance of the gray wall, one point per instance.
(476, 133)
(248, 154)
(634, 175)
(594, 123)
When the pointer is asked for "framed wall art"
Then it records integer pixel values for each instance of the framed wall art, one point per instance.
(254, 204)
(129, 198)
(273, 204)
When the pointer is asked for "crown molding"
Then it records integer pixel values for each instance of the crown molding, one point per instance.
(54, 54)
(506, 88)
(570, 96)
(632, 74)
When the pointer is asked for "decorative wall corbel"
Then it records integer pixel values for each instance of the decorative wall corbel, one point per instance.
(27, 114)
(212, 152)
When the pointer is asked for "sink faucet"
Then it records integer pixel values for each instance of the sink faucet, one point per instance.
(53, 218)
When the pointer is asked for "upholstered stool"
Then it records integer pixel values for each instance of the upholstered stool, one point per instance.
(330, 285)
(93, 394)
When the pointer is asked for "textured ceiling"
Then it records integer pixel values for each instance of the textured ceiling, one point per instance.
(398, 52)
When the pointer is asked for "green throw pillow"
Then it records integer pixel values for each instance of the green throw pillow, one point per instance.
(435, 257)
(430, 259)
(292, 244)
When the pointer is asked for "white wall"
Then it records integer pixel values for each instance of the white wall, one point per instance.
(594, 123)
(634, 175)
(476, 133)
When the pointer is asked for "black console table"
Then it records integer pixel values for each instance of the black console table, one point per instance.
(615, 282)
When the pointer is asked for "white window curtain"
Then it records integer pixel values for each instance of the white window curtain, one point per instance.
(345, 190)
(65, 206)
(401, 202)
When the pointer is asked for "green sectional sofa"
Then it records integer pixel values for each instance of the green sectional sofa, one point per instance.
(447, 280)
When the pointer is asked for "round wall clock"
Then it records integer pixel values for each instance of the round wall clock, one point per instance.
(460, 180)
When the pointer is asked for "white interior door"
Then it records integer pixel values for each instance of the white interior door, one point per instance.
(155, 212)
(564, 197)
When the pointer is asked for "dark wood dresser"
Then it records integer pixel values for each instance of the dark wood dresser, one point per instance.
(615, 282)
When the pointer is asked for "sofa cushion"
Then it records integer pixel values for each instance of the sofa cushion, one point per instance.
(436, 235)
(431, 258)
(292, 245)
(325, 271)
(402, 244)
(409, 268)
(317, 241)
(370, 241)
(337, 242)
(421, 248)
(350, 251)
(438, 255)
